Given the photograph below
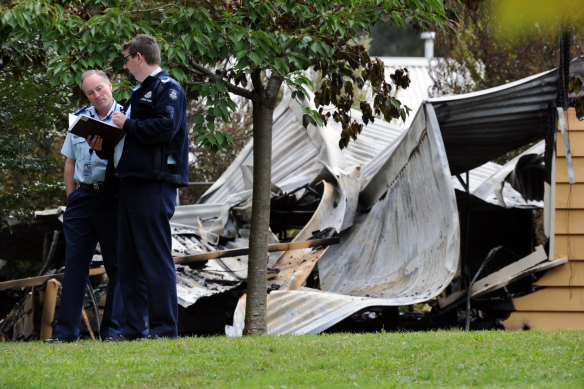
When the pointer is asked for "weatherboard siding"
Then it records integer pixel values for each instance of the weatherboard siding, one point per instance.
(560, 304)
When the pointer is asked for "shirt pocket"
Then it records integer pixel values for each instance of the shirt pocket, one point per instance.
(80, 148)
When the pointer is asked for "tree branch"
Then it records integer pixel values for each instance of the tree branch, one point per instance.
(256, 81)
(230, 87)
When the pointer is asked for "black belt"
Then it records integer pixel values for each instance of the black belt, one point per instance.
(95, 186)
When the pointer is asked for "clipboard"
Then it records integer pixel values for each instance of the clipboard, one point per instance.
(85, 126)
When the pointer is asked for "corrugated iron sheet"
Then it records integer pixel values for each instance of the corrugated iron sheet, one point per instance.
(305, 311)
(394, 249)
(391, 255)
(390, 194)
(481, 126)
(299, 153)
(487, 182)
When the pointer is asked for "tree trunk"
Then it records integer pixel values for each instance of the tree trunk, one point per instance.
(255, 308)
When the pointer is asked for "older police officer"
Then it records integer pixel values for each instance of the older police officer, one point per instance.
(90, 217)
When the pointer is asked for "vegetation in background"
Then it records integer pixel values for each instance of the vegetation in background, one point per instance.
(477, 56)
(31, 133)
(520, 18)
(209, 165)
(442, 359)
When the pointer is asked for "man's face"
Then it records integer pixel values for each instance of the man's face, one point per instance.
(130, 65)
(99, 93)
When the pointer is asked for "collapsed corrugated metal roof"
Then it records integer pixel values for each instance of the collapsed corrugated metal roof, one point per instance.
(406, 264)
(387, 183)
(488, 182)
(481, 126)
(302, 153)
(391, 254)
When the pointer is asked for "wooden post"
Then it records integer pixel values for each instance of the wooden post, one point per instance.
(49, 304)
(87, 323)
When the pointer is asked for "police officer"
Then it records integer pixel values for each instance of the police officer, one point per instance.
(152, 164)
(90, 217)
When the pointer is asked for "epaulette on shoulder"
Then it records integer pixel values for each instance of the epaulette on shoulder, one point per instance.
(80, 110)
(166, 79)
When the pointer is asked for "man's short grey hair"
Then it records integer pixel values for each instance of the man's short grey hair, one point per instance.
(88, 73)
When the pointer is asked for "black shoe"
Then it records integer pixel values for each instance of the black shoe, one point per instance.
(156, 337)
(119, 338)
(147, 337)
(60, 340)
(124, 338)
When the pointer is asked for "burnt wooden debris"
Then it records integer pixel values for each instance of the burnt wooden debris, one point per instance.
(35, 314)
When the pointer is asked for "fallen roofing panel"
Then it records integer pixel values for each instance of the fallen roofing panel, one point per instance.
(304, 311)
(491, 185)
(481, 126)
(391, 255)
(401, 254)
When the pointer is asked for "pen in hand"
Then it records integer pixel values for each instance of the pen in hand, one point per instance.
(119, 118)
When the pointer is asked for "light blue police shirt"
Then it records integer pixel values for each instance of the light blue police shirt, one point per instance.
(89, 168)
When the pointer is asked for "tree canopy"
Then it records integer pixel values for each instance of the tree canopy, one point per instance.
(217, 47)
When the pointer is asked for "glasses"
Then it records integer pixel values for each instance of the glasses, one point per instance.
(126, 58)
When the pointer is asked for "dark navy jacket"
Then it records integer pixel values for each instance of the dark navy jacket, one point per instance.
(156, 129)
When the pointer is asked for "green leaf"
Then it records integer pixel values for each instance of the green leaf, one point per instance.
(86, 37)
(236, 37)
(221, 87)
(257, 60)
(225, 115)
(198, 119)
(241, 54)
(220, 138)
(182, 55)
(179, 75)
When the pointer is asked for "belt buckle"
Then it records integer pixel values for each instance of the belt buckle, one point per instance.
(95, 186)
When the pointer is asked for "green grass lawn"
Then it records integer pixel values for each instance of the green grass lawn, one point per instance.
(494, 359)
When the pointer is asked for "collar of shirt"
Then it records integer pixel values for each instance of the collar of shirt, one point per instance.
(107, 118)
(155, 72)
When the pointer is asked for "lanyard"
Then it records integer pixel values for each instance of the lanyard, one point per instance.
(108, 117)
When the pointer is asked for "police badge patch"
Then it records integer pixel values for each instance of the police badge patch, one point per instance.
(173, 95)
(147, 97)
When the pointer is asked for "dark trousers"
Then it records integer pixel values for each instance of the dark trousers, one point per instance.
(147, 271)
(90, 217)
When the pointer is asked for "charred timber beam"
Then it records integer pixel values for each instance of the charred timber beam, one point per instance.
(34, 281)
(245, 251)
